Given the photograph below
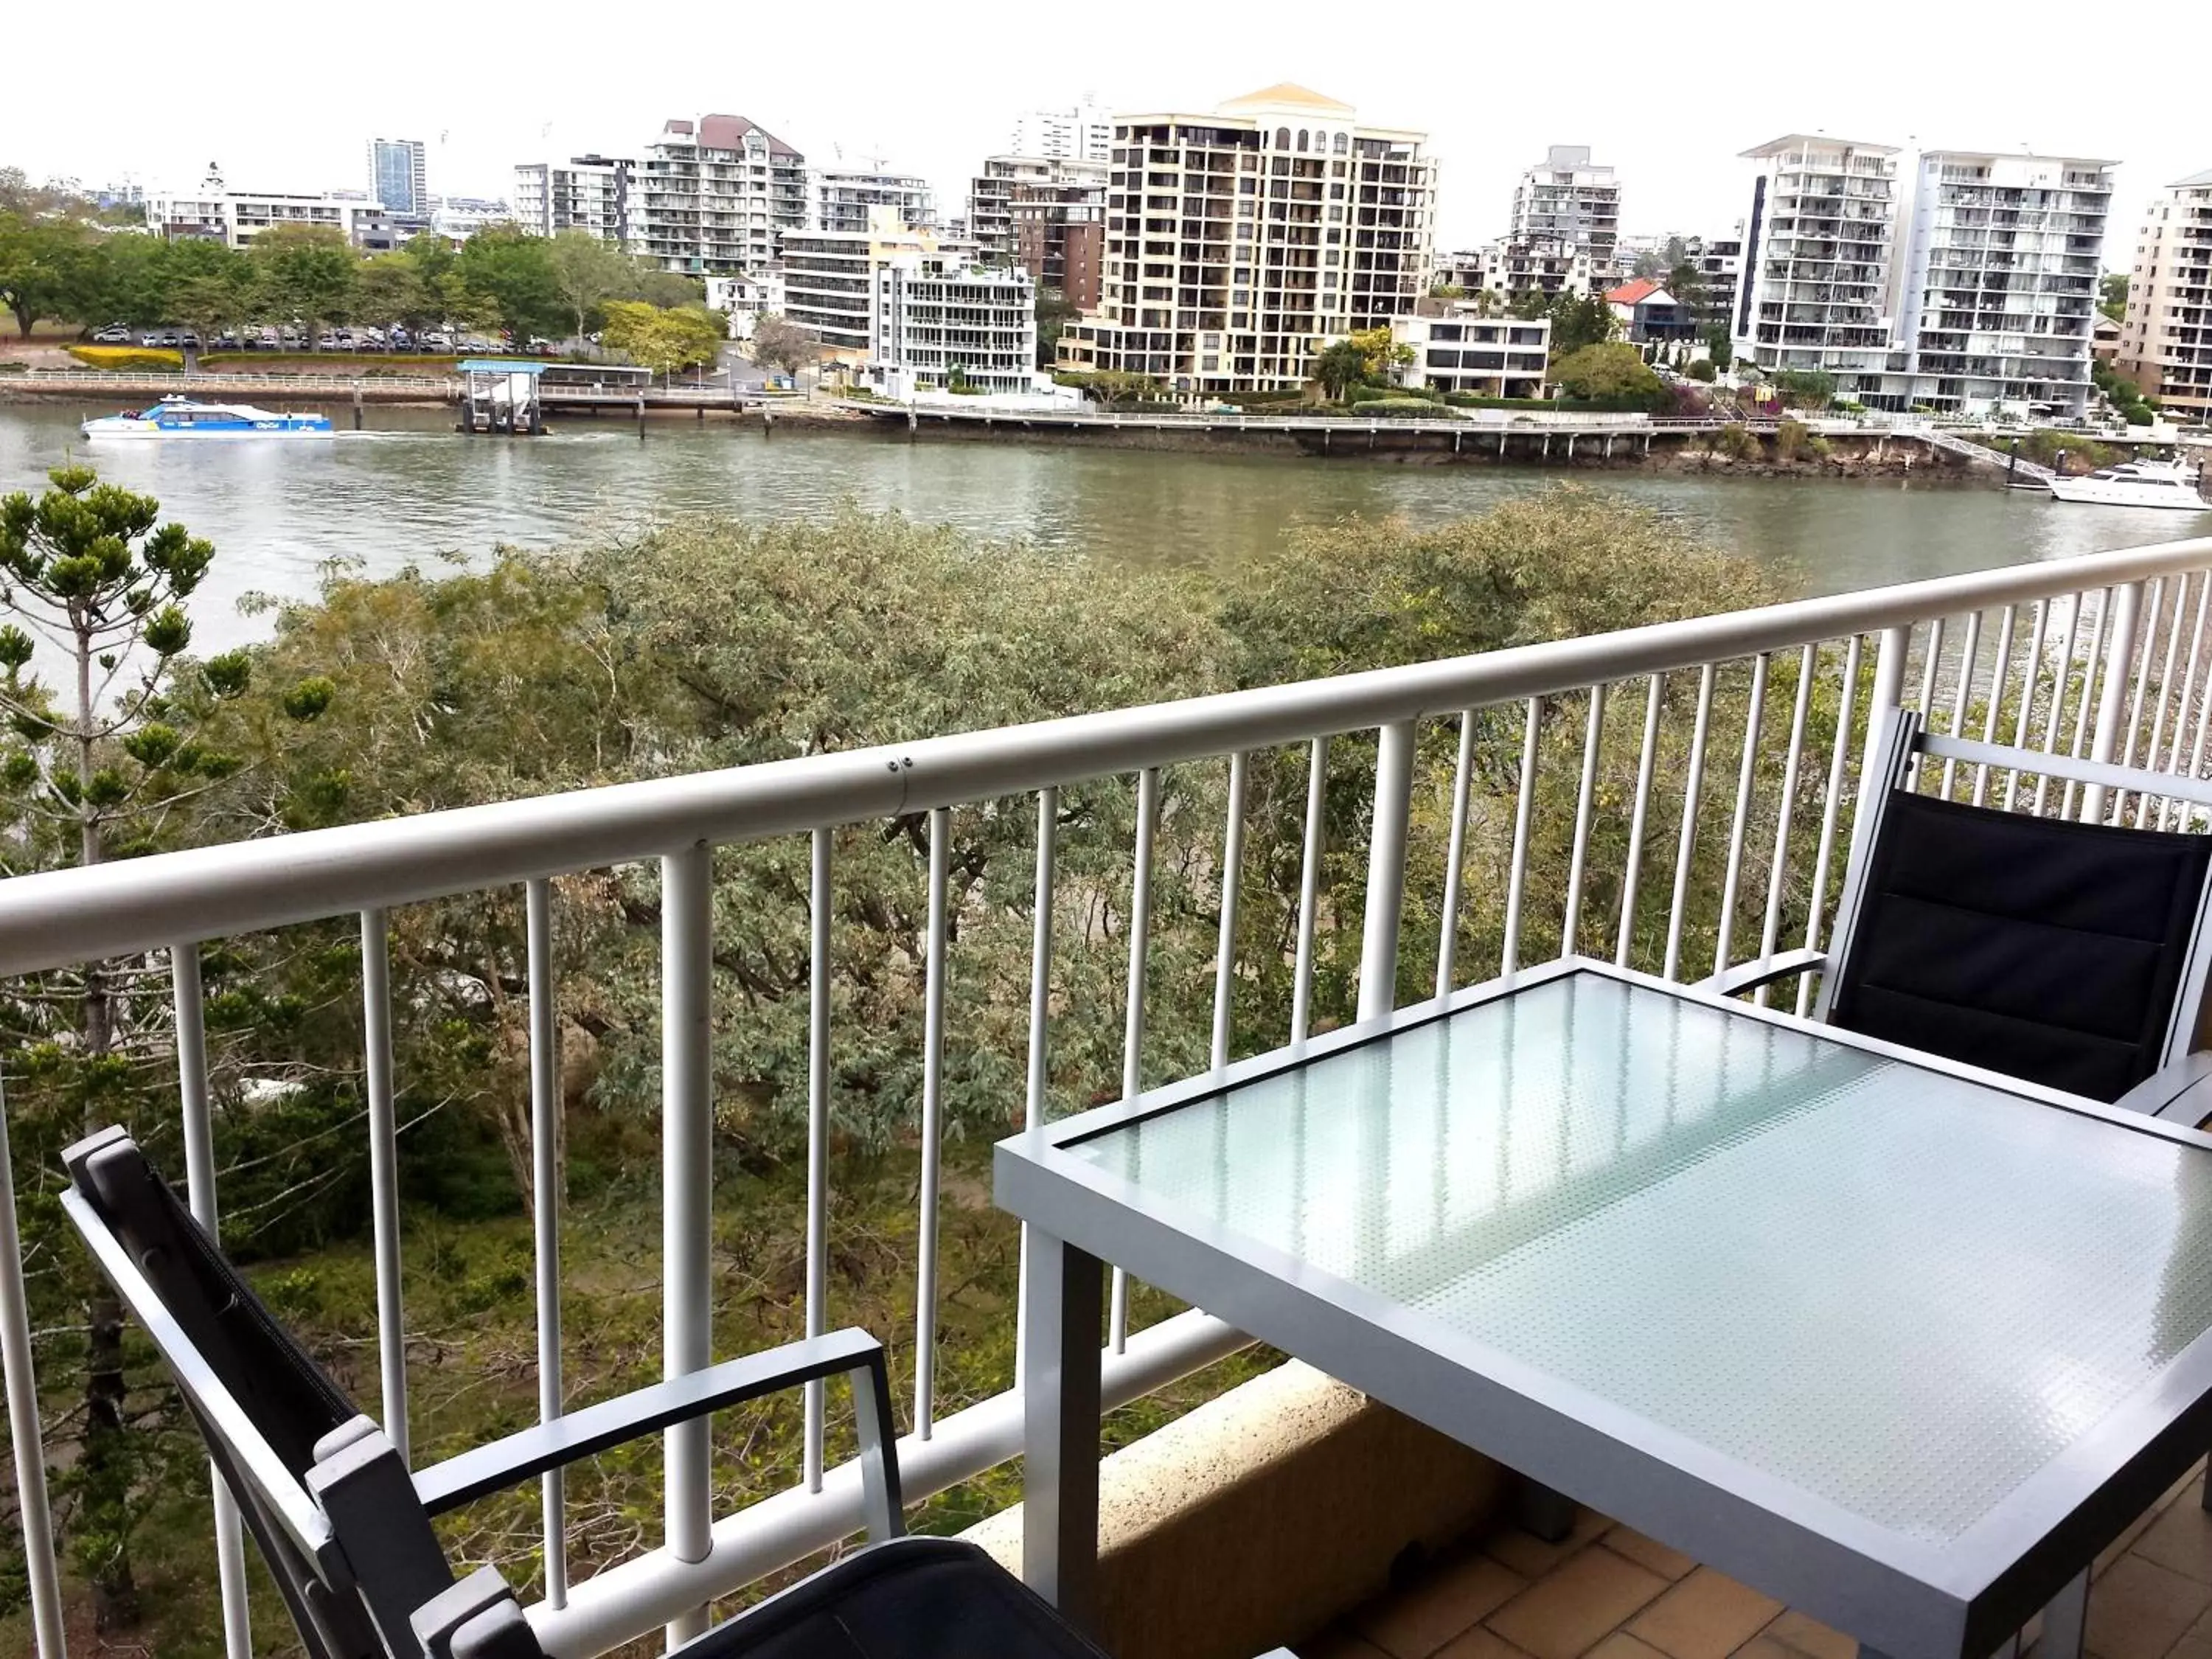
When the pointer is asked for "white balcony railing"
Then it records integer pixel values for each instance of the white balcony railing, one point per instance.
(1675, 732)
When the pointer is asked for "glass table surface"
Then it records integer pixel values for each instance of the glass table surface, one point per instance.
(1899, 1291)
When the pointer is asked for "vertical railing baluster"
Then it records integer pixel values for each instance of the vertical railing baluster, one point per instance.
(1685, 845)
(2095, 690)
(189, 1004)
(1033, 1096)
(1586, 798)
(545, 1194)
(817, 1134)
(34, 1520)
(1232, 887)
(1386, 870)
(1930, 666)
(1838, 756)
(384, 1173)
(1455, 855)
(2060, 685)
(2031, 675)
(2190, 813)
(1747, 775)
(1770, 931)
(1302, 970)
(686, 1152)
(1962, 695)
(2144, 640)
(1632, 869)
(1524, 811)
(2126, 604)
(1998, 676)
(2190, 698)
(1892, 649)
(2165, 697)
(1133, 1031)
(932, 1124)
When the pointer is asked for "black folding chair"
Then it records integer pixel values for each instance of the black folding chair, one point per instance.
(345, 1527)
(2072, 954)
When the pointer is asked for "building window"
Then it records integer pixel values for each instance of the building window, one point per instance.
(1342, 144)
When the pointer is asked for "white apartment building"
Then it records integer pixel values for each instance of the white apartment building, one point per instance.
(1567, 198)
(1999, 297)
(745, 300)
(1508, 269)
(585, 192)
(216, 213)
(1084, 133)
(941, 321)
(1819, 261)
(1457, 349)
(830, 277)
(712, 196)
(1239, 243)
(2166, 335)
(846, 199)
(1719, 263)
(457, 218)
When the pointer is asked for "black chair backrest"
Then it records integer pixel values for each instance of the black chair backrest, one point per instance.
(2042, 948)
(260, 1401)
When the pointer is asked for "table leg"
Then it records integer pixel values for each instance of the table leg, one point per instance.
(1059, 1414)
(2066, 1620)
(1544, 1511)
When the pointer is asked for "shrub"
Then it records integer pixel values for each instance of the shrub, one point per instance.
(1398, 408)
(1610, 374)
(127, 357)
(1363, 395)
(1703, 369)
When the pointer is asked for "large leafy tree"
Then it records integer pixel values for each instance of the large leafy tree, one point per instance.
(586, 272)
(664, 341)
(780, 344)
(44, 268)
(389, 290)
(1579, 320)
(1340, 366)
(309, 272)
(100, 761)
(1610, 373)
(515, 271)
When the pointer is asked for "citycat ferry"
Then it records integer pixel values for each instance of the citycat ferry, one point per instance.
(178, 416)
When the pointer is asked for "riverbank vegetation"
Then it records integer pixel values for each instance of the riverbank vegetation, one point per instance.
(712, 643)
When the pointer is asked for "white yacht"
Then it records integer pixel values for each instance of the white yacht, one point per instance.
(177, 417)
(2133, 483)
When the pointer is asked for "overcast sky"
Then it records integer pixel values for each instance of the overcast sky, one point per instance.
(285, 96)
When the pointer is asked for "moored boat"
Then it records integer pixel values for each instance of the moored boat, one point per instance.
(2133, 483)
(179, 416)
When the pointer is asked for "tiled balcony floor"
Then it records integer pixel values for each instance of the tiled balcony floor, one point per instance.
(1610, 1593)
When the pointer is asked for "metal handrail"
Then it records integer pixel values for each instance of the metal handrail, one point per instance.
(59, 917)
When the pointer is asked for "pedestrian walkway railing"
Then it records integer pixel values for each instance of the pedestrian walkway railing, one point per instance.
(1677, 798)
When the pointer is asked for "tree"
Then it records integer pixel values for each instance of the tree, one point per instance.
(1689, 287)
(1720, 344)
(780, 344)
(1529, 304)
(209, 288)
(1054, 312)
(514, 270)
(1379, 352)
(1579, 320)
(664, 341)
(389, 290)
(94, 769)
(1612, 373)
(1341, 366)
(2114, 290)
(664, 288)
(43, 266)
(1805, 388)
(586, 272)
(307, 272)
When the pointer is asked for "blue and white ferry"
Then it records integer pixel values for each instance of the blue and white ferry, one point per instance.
(179, 416)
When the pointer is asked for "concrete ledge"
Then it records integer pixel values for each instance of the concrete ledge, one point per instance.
(1256, 1519)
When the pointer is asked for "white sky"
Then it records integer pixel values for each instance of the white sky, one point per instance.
(132, 92)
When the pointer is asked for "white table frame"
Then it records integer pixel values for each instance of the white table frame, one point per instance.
(1895, 1593)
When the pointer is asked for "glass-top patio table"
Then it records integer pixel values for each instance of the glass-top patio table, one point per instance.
(1901, 1343)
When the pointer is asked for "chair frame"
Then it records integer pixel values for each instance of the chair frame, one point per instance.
(2180, 1089)
(359, 1525)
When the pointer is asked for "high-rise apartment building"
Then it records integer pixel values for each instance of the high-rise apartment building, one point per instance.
(1819, 258)
(1999, 297)
(1567, 198)
(1047, 216)
(1510, 268)
(712, 196)
(398, 177)
(1239, 243)
(585, 192)
(941, 321)
(829, 275)
(1718, 261)
(1084, 133)
(846, 199)
(2166, 337)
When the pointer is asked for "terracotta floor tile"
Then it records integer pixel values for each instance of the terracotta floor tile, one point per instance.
(1459, 1593)
(1482, 1643)
(1621, 1645)
(1530, 1556)
(1650, 1552)
(1707, 1616)
(1338, 1643)
(1570, 1611)
(2139, 1609)
(1804, 1635)
(2180, 1540)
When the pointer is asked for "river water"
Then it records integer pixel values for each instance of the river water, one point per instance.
(415, 489)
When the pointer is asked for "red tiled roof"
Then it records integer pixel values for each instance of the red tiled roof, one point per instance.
(1632, 293)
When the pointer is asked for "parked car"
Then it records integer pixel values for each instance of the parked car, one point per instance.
(113, 334)
(435, 342)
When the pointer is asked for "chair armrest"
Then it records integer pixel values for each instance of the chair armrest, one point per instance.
(568, 1439)
(455, 1625)
(1764, 970)
(2180, 1092)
